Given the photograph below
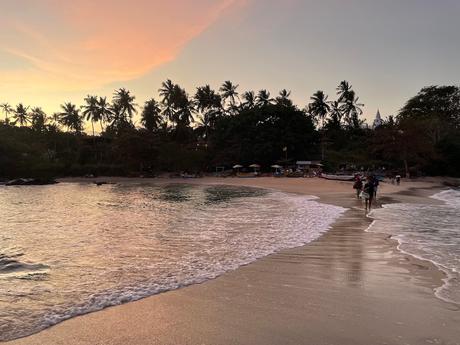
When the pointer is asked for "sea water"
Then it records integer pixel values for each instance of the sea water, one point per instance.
(70, 249)
(430, 232)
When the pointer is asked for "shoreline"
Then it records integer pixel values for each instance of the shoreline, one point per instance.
(448, 274)
(351, 225)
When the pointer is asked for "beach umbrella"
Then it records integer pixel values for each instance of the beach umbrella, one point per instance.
(237, 167)
(255, 167)
(277, 168)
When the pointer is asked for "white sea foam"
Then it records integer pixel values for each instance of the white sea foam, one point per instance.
(110, 245)
(427, 232)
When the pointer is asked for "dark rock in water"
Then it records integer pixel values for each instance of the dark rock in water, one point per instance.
(30, 182)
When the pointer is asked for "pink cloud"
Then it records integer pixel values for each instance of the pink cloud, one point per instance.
(82, 44)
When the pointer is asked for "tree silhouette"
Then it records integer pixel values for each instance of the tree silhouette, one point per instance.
(209, 104)
(283, 98)
(263, 98)
(185, 108)
(91, 110)
(343, 91)
(167, 92)
(319, 108)
(249, 100)
(228, 92)
(125, 104)
(21, 115)
(351, 109)
(70, 117)
(7, 110)
(151, 117)
(38, 119)
(104, 111)
(336, 114)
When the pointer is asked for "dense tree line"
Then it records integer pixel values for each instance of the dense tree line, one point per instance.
(183, 132)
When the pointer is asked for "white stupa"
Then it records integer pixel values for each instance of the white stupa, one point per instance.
(378, 120)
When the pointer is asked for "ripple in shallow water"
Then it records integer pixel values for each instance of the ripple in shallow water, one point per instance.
(429, 232)
(86, 247)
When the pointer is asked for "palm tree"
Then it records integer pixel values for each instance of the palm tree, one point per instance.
(343, 91)
(7, 110)
(249, 100)
(55, 119)
(209, 103)
(319, 108)
(283, 98)
(70, 117)
(151, 117)
(263, 98)
(228, 92)
(336, 113)
(104, 111)
(185, 107)
(167, 91)
(38, 118)
(91, 110)
(125, 103)
(54, 125)
(206, 98)
(351, 109)
(21, 115)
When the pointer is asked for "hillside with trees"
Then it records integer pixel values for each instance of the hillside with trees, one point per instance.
(196, 132)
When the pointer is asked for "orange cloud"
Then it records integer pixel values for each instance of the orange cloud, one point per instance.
(85, 44)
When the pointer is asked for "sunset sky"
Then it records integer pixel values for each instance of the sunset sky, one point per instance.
(53, 51)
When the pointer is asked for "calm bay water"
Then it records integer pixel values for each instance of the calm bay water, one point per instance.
(70, 249)
(429, 232)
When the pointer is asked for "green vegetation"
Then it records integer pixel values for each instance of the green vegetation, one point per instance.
(183, 132)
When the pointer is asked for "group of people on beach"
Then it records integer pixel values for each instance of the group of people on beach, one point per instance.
(366, 189)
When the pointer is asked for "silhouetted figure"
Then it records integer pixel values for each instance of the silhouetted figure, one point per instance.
(368, 192)
(358, 186)
(398, 179)
(376, 185)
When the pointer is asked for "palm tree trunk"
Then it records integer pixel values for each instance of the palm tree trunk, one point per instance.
(94, 141)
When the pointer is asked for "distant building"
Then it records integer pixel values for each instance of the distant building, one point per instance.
(305, 165)
(378, 120)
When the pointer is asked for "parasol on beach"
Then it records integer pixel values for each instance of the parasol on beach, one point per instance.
(277, 169)
(255, 167)
(237, 167)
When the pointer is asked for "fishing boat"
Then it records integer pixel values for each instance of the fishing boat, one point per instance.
(338, 177)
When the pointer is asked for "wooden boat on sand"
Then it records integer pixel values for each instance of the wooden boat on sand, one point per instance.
(338, 177)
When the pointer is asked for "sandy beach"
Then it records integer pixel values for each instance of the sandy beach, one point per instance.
(349, 287)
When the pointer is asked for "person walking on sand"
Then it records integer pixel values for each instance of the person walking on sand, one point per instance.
(376, 185)
(358, 185)
(368, 192)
